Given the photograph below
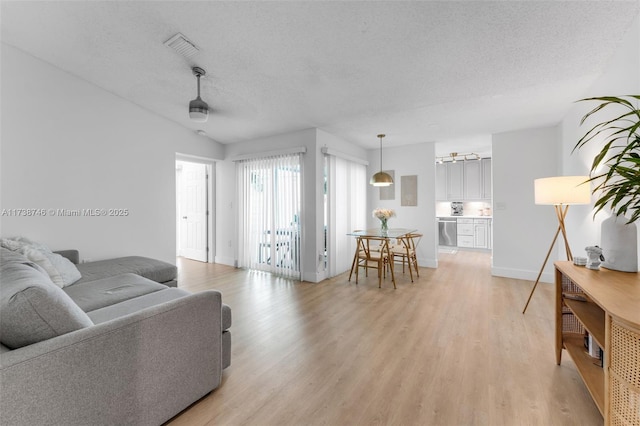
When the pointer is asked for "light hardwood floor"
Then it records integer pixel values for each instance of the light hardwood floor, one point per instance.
(453, 348)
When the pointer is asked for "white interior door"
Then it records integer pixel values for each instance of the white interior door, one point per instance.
(192, 210)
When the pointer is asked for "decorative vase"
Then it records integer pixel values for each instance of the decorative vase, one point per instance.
(619, 242)
(384, 227)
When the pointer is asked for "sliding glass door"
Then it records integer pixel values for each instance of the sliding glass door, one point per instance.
(269, 209)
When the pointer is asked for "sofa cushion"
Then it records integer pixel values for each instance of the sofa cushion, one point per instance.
(33, 309)
(226, 317)
(136, 304)
(97, 294)
(155, 270)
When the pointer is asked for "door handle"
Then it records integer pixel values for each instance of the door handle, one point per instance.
(184, 217)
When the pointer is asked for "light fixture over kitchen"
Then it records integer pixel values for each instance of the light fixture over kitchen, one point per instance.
(381, 178)
(453, 157)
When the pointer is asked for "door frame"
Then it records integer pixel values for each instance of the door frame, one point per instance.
(211, 186)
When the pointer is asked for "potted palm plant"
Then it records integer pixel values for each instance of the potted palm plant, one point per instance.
(615, 172)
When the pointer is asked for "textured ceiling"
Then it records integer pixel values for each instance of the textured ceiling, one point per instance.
(418, 71)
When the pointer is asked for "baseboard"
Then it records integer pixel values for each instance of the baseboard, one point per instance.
(522, 274)
(225, 261)
(314, 277)
(428, 263)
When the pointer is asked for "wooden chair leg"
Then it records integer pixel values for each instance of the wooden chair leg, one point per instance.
(355, 260)
(393, 278)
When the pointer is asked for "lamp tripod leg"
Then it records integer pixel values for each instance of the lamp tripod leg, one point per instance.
(542, 269)
(562, 213)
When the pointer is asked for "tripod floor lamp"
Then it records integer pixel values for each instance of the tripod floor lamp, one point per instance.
(560, 192)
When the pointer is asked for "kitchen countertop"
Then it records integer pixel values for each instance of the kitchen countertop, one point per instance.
(466, 217)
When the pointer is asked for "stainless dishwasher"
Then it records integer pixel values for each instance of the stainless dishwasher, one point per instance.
(448, 231)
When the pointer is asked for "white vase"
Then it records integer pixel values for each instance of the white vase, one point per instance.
(619, 243)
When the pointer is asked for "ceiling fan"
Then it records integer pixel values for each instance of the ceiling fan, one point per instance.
(198, 109)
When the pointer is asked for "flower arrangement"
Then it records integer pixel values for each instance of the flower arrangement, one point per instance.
(384, 215)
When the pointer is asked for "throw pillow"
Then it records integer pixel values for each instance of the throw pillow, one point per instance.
(60, 269)
(32, 309)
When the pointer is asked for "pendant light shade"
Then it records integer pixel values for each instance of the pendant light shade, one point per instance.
(198, 109)
(381, 178)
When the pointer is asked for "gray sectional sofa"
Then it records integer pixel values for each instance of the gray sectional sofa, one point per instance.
(120, 346)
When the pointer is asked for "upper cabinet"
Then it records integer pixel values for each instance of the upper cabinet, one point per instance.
(486, 178)
(455, 181)
(464, 180)
(472, 180)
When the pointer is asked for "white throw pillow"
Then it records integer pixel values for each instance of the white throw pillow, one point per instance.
(60, 269)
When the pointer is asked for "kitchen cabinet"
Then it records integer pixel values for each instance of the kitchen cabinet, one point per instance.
(455, 181)
(473, 233)
(480, 230)
(463, 180)
(486, 178)
(472, 180)
(466, 236)
(477, 179)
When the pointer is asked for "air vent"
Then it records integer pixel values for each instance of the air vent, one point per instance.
(182, 45)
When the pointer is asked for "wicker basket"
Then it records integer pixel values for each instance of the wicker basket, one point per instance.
(570, 323)
(624, 376)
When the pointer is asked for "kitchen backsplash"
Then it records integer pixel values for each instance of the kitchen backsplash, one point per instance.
(470, 208)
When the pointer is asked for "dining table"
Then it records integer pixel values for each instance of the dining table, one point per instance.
(377, 232)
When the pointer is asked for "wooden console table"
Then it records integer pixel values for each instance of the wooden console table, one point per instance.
(611, 315)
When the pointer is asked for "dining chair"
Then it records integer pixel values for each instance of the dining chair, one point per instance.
(405, 249)
(374, 253)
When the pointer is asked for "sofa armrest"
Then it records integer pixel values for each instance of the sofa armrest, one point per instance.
(141, 368)
(72, 255)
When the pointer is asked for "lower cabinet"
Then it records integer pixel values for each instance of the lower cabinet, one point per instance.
(465, 233)
(473, 233)
(480, 233)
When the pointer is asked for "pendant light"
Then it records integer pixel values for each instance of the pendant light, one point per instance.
(198, 109)
(381, 178)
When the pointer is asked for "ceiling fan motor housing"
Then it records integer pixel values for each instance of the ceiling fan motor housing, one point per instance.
(198, 109)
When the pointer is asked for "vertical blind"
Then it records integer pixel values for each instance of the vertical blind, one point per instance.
(346, 210)
(269, 214)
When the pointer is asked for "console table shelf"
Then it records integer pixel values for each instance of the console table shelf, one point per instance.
(606, 304)
(591, 316)
(592, 374)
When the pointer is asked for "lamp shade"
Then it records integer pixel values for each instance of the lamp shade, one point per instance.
(562, 190)
(381, 179)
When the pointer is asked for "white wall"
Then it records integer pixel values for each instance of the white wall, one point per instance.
(523, 231)
(621, 77)
(226, 217)
(67, 144)
(409, 160)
